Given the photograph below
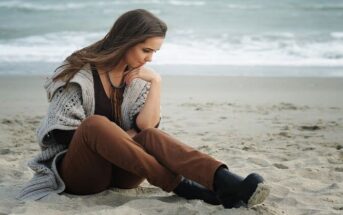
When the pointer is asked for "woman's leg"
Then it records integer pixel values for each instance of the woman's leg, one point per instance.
(230, 188)
(124, 179)
(178, 157)
(97, 145)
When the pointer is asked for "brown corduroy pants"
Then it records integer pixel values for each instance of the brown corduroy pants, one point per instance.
(102, 155)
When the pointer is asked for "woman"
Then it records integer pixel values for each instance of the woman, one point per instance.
(100, 129)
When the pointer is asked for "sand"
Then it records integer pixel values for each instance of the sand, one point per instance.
(290, 130)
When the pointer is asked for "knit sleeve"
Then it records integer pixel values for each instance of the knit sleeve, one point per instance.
(65, 112)
(139, 103)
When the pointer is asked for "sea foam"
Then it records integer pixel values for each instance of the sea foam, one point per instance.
(277, 49)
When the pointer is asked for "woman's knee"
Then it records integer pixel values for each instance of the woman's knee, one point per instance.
(145, 136)
(94, 121)
(95, 124)
(98, 127)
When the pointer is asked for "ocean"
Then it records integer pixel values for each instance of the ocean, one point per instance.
(205, 37)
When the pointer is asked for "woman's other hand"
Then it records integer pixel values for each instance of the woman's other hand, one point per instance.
(131, 133)
(144, 73)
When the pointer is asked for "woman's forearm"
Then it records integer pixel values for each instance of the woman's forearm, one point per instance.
(149, 116)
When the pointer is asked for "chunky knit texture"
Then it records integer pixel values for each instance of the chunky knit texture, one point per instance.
(68, 107)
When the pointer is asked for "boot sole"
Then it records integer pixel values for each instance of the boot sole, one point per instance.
(261, 193)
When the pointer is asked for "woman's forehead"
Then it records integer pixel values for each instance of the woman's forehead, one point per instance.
(154, 43)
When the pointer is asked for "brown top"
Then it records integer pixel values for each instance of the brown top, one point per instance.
(103, 104)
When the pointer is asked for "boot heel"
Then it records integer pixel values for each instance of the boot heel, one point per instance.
(231, 202)
(189, 189)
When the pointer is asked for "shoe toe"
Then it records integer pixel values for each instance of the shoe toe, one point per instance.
(254, 190)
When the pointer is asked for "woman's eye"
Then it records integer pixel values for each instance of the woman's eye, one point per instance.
(146, 50)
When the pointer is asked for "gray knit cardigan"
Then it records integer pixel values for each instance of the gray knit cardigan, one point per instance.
(68, 107)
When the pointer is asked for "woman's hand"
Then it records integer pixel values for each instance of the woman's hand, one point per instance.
(143, 73)
(131, 133)
(149, 114)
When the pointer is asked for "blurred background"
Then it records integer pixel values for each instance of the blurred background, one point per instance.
(205, 37)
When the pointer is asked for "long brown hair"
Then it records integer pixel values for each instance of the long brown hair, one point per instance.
(129, 29)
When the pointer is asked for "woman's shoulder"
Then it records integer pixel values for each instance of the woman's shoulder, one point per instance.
(85, 70)
(83, 78)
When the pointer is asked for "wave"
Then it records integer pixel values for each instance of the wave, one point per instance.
(55, 6)
(328, 7)
(337, 35)
(187, 3)
(284, 5)
(243, 7)
(31, 6)
(52, 47)
(278, 49)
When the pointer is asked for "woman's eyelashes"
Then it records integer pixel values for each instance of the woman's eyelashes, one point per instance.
(147, 50)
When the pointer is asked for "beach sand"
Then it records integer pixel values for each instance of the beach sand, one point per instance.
(290, 130)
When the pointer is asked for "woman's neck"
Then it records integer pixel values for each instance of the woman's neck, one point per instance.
(119, 70)
(113, 76)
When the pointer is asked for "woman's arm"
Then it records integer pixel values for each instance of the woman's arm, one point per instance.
(149, 115)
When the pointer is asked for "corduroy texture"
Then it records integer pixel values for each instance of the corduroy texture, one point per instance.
(68, 107)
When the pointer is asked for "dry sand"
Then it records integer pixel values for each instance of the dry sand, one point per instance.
(290, 130)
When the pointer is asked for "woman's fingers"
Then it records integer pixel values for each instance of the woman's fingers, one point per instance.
(129, 77)
(141, 73)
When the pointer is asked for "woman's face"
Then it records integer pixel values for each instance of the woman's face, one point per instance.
(141, 53)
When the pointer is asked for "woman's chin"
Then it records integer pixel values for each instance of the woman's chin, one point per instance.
(135, 66)
(139, 65)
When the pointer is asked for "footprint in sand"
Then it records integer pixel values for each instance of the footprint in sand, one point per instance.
(284, 134)
(310, 127)
(205, 148)
(202, 133)
(280, 166)
(259, 162)
(5, 151)
(309, 149)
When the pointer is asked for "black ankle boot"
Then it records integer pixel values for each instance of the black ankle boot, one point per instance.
(191, 190)
(233, 189)
(226, 185)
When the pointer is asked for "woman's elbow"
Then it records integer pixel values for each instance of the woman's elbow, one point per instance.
(145, 125)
